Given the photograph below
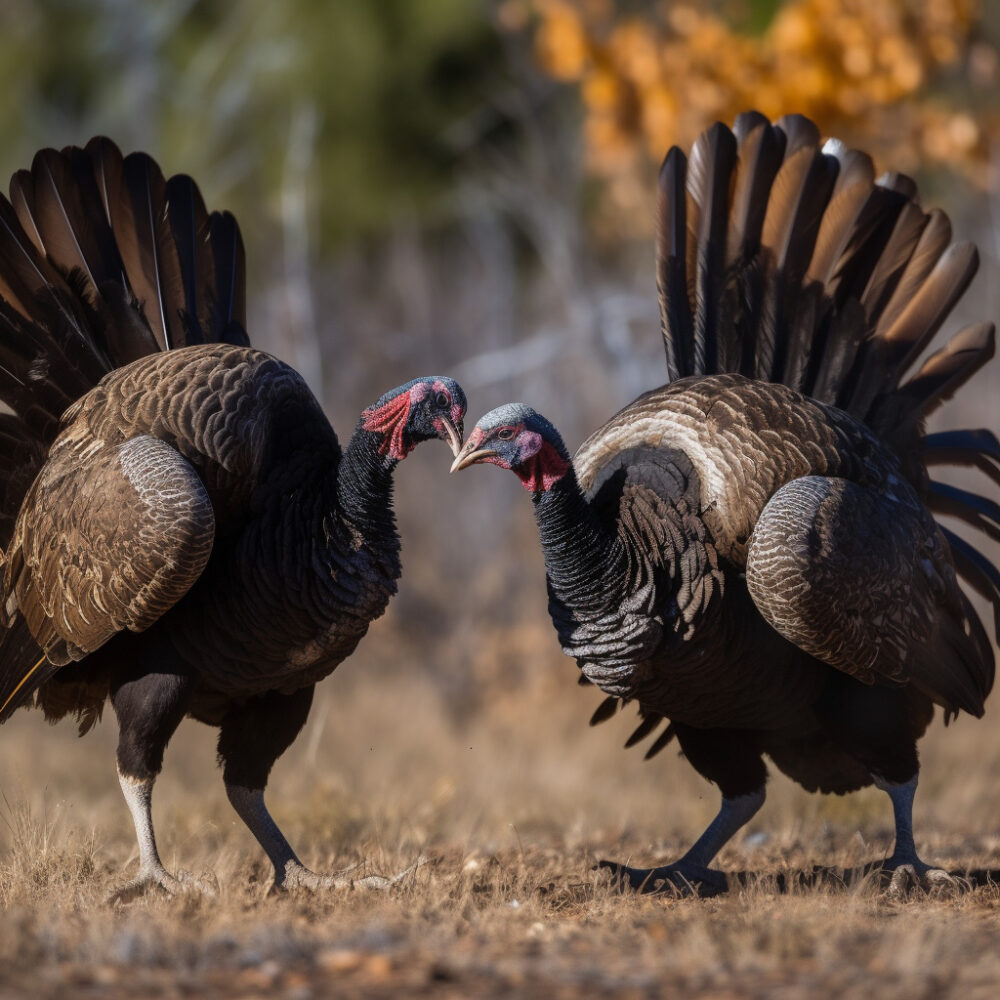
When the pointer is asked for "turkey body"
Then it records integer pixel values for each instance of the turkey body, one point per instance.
(681, 479)
(288, 589)
(182, 532)
(749, 553)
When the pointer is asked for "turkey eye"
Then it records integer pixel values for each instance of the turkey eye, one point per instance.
(505, 433)
(442, 399)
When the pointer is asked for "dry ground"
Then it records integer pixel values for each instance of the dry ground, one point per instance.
(514, 804)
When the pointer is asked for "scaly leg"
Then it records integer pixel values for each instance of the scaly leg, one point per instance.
(732, 760)
(289, 872)
(149, 708)
(904, 861)
(692, 872)
(253, 736)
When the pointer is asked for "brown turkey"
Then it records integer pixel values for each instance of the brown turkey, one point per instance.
(749, 551)
(181, 531)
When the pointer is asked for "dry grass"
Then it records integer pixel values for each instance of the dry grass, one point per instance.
(514, 805)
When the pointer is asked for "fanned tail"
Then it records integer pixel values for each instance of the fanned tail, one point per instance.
(102, 261)
(786, 259)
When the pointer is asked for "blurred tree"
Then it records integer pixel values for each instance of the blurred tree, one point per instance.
(214, 88)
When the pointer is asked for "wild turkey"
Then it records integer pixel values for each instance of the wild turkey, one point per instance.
(749, 551)
(181, 531)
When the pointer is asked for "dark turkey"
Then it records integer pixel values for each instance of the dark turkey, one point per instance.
(180, 528)
(749, 551)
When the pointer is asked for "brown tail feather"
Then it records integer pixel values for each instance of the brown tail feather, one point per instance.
(934, 240)
(945, 371)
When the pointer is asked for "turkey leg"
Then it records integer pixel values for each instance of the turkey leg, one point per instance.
(691, 873)
(149, 708)
(253, 736)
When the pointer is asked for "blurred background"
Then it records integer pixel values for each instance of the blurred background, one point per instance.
(466, 188)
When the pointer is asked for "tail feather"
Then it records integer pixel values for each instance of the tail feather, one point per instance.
(945, 371)
(926, 311)
(138, 217)
(977, 571)
(102, 261)
(230, 304)
(791, 225)
(712, 162)
(761, 150)
(189, 223)
(979, 512)
(932, 243)
(605, 710)
(891, 263)
(979, 448)
(648, 724)
(661, 742)
(838, 228)
(800, 132)
(59, 208)
(671, 265)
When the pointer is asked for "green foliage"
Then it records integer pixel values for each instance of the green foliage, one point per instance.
(214, 88)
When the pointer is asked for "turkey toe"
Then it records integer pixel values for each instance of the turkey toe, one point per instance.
(681, 879)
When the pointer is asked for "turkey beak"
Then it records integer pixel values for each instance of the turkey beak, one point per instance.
(471, 454)
(454, 435)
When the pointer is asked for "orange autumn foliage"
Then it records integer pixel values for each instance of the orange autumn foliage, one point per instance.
(870, 70)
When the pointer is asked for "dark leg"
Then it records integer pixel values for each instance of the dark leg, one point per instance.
(253, 736)
(732, 760)
(880, 727)
(149, 708)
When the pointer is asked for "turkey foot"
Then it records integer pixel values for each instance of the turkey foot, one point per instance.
(159, 878)
(684, 878)
(297, 876)
(907, 878)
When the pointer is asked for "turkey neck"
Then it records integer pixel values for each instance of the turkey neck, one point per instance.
(364, 485)
(585, 557)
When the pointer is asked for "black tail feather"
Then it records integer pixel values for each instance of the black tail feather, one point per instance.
(712, 161)
(605, 710)
(979, 512)
(671, 265)
(648, 724)
(25, 668)
(977, 571)
(662, 741)
(979, 449)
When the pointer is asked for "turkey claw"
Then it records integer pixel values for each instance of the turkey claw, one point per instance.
(678, 880)
(297, 876)
(160, 879)
(908, 881)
